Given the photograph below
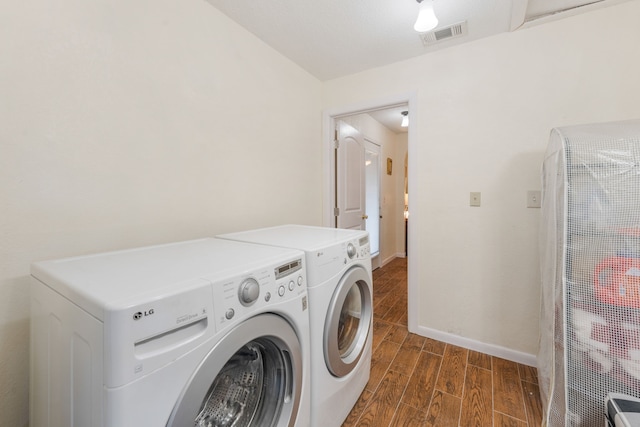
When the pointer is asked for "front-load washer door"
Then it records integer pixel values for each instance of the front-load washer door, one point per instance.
(348, 322)
(252, 377)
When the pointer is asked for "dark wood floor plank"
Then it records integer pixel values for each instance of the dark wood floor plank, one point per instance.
(394, 296)
(454, 365)
(422, 382)
(477, 405)
(444, 410)
(398, 312)
(354, 415)
(380, 330)
(408, 354)
(502, 420)
(380, 361)
(532, 403)
(404, 319)
(480, 360)
(434, 346)
(407, 416)
(397, 334)
(508, 396)
(397, 308)
(528, 373)
(381, 310)
(382, 406)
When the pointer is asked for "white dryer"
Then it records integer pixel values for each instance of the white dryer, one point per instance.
(201, 333)
(340, 309)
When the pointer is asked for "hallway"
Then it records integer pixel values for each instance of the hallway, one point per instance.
(417, 381)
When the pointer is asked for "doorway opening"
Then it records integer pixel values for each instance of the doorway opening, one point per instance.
(394, 237)
(370, 184)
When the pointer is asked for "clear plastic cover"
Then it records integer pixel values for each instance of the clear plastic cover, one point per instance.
(590, 266)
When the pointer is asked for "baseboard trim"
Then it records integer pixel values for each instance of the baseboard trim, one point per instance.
(387, 260)
(490, 349)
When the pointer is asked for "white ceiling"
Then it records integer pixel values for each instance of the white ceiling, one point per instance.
(391, 118)
(334, 38)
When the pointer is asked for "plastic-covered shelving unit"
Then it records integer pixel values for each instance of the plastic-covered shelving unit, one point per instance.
(590, 260)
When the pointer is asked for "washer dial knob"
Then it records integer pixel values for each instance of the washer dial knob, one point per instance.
(248, 292)
(351, 250)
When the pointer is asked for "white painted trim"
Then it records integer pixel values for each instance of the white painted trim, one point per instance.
(413, 226)
(387, 260)
(328, 181)
(567, 13)
(490, 349)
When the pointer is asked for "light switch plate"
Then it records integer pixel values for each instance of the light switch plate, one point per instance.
(474, 199)
(534, 199)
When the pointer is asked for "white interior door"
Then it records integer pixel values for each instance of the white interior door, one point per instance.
(350, 178)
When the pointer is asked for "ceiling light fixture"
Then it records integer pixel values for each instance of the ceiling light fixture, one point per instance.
(405, 119)
(427, 20)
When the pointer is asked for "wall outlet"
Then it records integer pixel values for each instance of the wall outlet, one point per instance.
(534, 199)
(474, 199)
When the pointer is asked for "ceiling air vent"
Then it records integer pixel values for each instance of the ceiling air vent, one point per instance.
(444, 33)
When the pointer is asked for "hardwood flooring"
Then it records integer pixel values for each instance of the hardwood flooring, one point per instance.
(417, 381)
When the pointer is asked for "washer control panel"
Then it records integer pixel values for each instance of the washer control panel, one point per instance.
(328, 261)
(236, 298)
(248, 291)
(362, 247)
(351, 250)
(356, 249)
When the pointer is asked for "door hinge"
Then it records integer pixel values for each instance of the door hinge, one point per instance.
(336, 211)
(336, 144)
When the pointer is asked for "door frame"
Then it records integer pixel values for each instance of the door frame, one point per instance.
(329, 117)
(368, 142)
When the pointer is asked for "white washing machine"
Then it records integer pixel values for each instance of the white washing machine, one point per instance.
(201, 333)
(340, 309)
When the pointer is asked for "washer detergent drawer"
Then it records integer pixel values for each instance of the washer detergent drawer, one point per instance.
(143, 337)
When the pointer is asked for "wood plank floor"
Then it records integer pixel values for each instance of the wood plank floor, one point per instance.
(417, 381)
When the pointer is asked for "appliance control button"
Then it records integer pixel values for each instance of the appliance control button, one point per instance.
(351, 250)
(281, 290)
(267, 296)
(229, 314)
(292, 285)
(300, 280)
(249, 291)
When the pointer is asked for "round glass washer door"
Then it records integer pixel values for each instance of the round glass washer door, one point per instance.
(252, 377)
(348, 322)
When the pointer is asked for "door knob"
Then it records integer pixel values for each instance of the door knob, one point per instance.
(365, 216)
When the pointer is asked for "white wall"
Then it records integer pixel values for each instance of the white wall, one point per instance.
(482, 120)
(133, 123)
